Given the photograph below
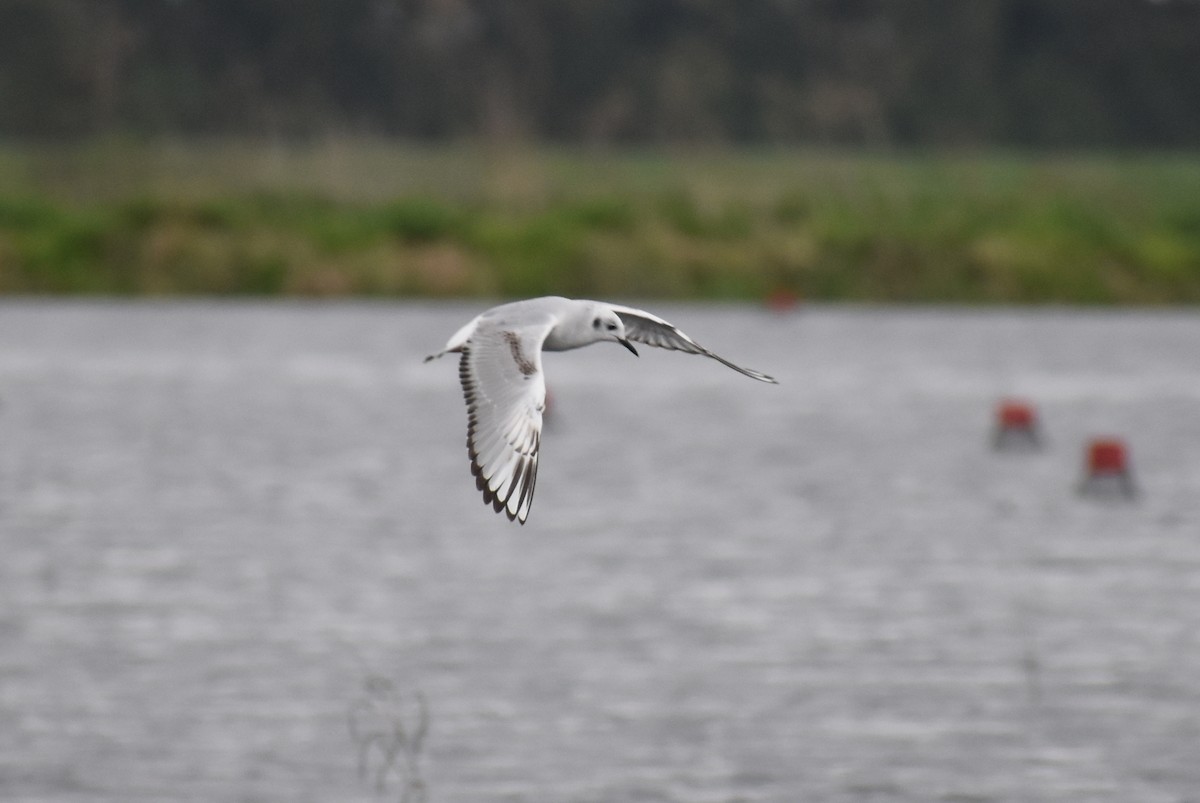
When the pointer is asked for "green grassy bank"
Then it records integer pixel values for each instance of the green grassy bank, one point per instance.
(371, 218)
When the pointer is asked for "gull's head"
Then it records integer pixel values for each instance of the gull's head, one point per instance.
(607, 325)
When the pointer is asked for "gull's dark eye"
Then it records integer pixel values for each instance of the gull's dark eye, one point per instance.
(596, 324)
(612, 327)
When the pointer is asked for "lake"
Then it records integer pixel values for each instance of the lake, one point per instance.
(244, 560)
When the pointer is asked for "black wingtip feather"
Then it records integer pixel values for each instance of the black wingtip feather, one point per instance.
(524, 475)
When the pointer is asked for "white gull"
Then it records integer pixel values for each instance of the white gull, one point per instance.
(501, 374)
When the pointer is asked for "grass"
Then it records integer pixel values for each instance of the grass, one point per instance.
(377, 219)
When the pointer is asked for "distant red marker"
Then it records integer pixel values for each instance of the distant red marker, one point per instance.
(782, 299)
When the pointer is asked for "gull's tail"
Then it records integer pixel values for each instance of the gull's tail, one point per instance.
(444, 352)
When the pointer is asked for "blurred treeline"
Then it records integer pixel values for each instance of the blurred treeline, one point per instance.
(880, 73)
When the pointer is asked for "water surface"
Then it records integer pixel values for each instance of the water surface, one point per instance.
(231, 530)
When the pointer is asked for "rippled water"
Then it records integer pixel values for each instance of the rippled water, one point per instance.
(239, 539)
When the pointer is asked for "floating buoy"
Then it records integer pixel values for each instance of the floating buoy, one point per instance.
(1107, 471)
(1016, 426)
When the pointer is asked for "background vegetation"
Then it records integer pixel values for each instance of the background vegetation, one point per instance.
(916, 150)
(367, 217)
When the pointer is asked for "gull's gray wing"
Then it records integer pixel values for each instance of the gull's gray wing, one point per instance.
(643, 327)
(501, 374)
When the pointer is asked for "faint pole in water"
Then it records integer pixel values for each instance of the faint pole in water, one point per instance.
(1027, 613)
(389, 731)
(1031, 668)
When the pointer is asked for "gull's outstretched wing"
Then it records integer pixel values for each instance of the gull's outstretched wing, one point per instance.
(643, 327)
(501, 375)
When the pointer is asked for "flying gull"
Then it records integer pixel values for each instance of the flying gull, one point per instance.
(501, 374)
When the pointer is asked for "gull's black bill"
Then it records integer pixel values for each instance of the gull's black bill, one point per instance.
(629, 346)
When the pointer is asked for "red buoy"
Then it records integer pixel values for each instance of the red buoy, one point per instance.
(1107, 470)
(1016, 415)
(1107, 456)
(1016, 425)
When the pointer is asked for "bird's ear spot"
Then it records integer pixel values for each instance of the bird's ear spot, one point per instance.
(596, 324)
